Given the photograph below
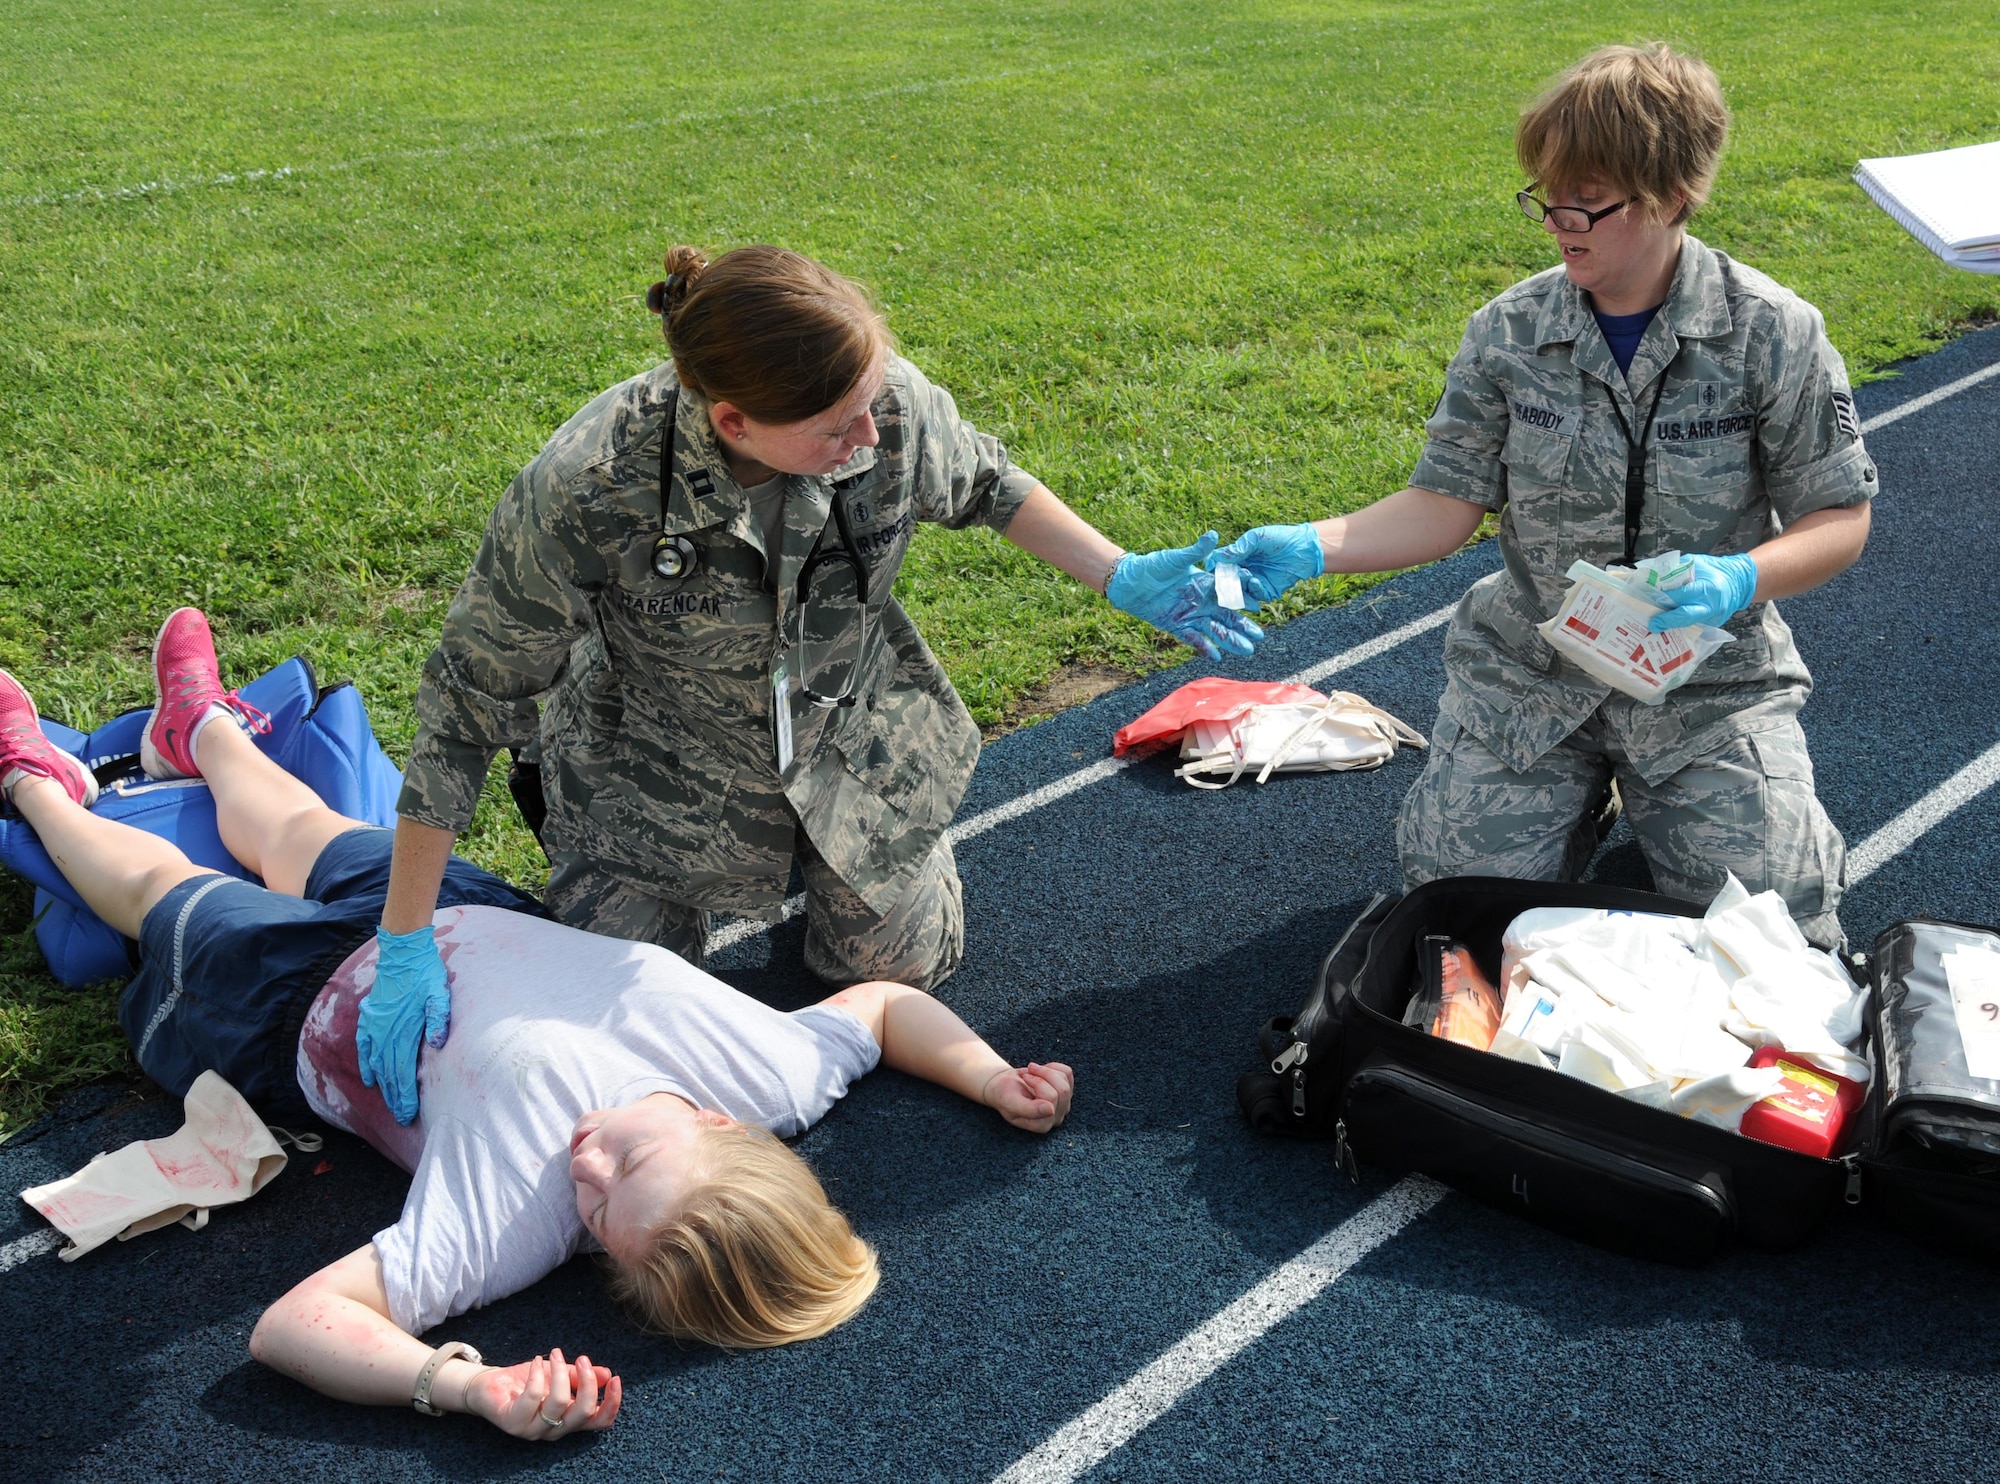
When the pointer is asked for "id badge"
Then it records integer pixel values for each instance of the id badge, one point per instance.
(781, 710)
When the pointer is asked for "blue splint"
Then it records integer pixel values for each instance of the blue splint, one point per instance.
(321, 737)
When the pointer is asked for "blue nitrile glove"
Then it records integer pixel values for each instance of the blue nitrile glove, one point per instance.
(1721, 588)
(1170, 590)
(1272, 559)
(410, 1003)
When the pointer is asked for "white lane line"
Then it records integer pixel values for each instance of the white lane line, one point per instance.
(1900, 833)
(1930, 399)
(736, 932)
(1096, 1434)
(1381, 644)
(21, 1249)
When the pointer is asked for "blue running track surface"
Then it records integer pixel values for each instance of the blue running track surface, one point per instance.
(1141, 930)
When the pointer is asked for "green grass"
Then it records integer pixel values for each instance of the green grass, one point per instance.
(291, 290)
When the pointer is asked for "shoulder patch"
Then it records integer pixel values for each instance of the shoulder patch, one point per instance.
(1843, 413)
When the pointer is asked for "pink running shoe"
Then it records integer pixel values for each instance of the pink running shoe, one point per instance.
(24, 750)
(189, 683)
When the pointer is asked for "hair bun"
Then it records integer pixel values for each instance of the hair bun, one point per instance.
(684, 265)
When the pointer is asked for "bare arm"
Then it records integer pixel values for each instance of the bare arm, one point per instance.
(416, 870)
(333, 1333)
(1406, 529)
(1049, 529)
(920, 1036)
(1814, 549)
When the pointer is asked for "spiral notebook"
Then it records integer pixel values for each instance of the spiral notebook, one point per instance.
(1948, 200)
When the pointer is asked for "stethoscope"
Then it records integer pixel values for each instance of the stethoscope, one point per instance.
(675, 558)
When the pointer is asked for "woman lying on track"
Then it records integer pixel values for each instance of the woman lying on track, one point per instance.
(594, 1093)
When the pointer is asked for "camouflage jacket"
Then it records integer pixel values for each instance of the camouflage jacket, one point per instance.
(1754, 427)
(657, 738)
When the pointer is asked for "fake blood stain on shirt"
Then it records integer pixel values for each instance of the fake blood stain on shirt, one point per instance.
(327, 1055)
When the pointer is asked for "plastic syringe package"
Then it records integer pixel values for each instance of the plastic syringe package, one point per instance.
(1601, 628)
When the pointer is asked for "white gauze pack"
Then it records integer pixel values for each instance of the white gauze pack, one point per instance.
(1601, 628)
(1340, 734)
(1667, 1010)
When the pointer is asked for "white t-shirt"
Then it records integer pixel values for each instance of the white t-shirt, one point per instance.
(547, 1023)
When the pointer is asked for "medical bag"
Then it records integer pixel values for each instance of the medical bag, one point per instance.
(1607, 1169)
(319, 735)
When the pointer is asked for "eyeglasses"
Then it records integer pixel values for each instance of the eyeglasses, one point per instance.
(1566, 218)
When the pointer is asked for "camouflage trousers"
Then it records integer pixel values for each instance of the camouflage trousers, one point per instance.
(919, 941)
(1748, 807)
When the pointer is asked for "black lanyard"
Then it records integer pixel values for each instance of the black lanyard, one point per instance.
(1635, 468)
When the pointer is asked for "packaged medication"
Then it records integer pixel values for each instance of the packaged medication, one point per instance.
(1601, 628)
(1229, 586)
(1810, 1109)
(1468, 1010)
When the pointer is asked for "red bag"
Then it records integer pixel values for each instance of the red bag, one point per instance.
(1213, 699)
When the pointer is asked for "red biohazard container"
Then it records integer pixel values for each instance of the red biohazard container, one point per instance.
(1809, 1112)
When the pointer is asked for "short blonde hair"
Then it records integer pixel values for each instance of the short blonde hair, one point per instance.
(756, 1256)
(1646, 120)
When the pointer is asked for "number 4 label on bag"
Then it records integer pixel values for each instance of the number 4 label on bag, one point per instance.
(1974, 975)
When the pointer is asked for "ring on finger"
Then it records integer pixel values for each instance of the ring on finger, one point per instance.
(552, 1421)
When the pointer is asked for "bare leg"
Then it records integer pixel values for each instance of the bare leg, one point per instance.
(119, 871)
(271, 822)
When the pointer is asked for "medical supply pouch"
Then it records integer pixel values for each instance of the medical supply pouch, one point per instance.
(1923, 1149)
(1215, 699)
(1609, 1169)
(1600, 628)
(319, 735)
(1931, 1156)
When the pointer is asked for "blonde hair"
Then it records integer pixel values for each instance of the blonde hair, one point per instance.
(780, 336)
(756, 1256)
(1646, 120)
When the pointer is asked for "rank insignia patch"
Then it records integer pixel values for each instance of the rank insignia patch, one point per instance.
(1843, 413)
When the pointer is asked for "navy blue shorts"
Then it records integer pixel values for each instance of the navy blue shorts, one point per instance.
(228, 969)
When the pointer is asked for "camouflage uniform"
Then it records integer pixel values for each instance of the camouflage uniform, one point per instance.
(657, 742)
(1754, 428)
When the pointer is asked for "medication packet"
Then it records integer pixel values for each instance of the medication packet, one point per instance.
(1601, 628)
(1229, 586)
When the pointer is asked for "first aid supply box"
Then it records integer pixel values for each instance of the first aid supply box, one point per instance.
(1602, 628)
(1811, 1109)
(1923, 1148)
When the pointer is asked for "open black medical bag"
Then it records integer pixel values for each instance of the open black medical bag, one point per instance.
(1605, 1168)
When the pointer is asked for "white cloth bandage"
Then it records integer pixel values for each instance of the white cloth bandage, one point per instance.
(222, 1155)
(1667, 1010)
(1342, 733)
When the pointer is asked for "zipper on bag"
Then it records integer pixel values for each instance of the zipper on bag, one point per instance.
(1543, 1140)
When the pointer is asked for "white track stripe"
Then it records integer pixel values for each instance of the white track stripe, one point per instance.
(1930, 399)
(1113, 1422)
(32, 1245)
(1900, 833)
(1379, 645)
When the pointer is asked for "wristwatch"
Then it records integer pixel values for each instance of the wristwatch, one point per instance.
(420, 1394)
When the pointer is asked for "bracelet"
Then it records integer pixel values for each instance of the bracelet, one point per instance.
(420, 1394)
(1105, 586)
